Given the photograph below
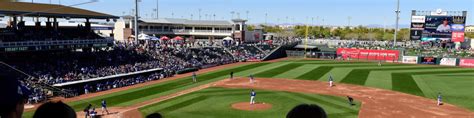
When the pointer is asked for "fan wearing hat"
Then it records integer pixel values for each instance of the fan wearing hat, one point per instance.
(14, 96)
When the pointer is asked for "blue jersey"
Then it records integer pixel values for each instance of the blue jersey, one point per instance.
(104, 104)
(330, 78)
(253, 93)
(439, 97)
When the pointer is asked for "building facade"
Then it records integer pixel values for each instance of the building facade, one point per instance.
(469, 29)
(170, 27)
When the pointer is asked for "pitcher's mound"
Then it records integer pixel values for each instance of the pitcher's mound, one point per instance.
(251, 107)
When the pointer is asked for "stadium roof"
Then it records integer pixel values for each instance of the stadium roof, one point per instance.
(188, 22)
(49, 10)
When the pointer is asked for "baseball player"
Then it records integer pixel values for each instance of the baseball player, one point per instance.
(86, 110)
(194, 77)
(86, 89)
(351, 100)
(93, 113)
(439, 99)
(380, 63)
(232, 75)
(252, 97)
(331, 80)
(251, 78)
(104, 106)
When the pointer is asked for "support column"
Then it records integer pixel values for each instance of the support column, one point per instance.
(88, 25)
(55, 24)
(14, 24)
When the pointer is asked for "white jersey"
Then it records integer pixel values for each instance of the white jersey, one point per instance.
(443, 28)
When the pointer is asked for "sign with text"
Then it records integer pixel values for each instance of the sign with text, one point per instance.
(410, 59)
(466, 62)
(448, 61)
(388, 55)
(428, 60)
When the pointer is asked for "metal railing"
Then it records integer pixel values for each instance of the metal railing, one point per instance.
(54, 42)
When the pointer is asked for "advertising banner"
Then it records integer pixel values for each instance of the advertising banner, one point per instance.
(418, 19)
(458, 37)
(416, 31)
(466, 63)
(388, 55)
(448, 61)
(428, 60)
(410, 59)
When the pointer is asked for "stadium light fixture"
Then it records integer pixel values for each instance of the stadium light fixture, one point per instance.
(396, 24)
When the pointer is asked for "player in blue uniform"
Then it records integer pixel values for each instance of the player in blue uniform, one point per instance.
(439, 99)
(232, 75)
(104, 106)
(252, 97)
(194, 77)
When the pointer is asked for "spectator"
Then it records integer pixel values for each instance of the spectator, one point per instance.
(307, 111)
(54, 110)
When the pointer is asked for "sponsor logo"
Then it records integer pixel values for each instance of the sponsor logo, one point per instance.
(459, 19)
(448, 61)
(410, 59)
(428, 60)
(457, 27)
(388, 55)
(458, 37)
(466, 62)
(418, 19)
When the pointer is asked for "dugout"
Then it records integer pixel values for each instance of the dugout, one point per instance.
(312, 51)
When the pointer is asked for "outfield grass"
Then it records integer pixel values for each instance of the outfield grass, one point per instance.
(216, 103)
(397, 77)
(456, 85)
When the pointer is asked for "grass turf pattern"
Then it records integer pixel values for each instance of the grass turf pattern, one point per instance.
(216, 102)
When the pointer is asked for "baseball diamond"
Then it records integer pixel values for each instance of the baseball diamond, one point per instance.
(236, 59)
(408, 83)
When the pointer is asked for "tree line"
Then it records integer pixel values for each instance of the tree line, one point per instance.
(347, 33)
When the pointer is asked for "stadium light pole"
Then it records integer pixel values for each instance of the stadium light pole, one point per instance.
(157, 6)
(136, 21)
(396, 24)
(266, 16)
(199, 13)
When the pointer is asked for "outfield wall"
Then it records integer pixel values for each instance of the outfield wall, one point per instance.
(462, 62)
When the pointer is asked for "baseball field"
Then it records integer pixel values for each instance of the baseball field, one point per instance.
(389, 90)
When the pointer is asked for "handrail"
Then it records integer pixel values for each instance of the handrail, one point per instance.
(54, 42)
(106, 77)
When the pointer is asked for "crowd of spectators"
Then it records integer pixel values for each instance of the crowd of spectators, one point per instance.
(247, 52)
(56, 67)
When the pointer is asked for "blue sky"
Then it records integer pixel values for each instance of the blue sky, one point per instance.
(334, 12)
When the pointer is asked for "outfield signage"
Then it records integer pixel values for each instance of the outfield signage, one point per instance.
(448, 61)
(410, 59)
(418, 19)
(428, 60)
(466, 62)
(388, 55)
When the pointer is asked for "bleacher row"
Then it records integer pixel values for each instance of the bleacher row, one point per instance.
(55, 67)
